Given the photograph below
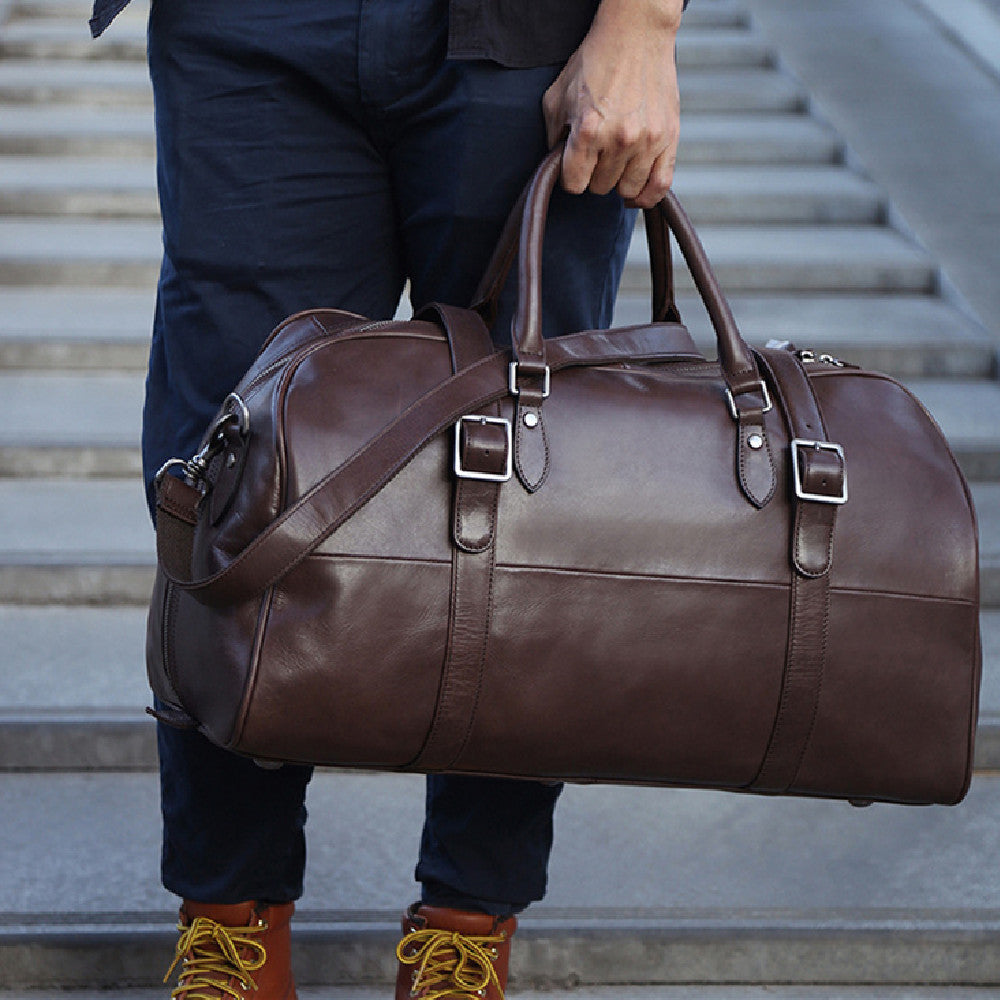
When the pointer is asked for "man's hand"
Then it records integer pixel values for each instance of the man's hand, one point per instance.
(617, 96)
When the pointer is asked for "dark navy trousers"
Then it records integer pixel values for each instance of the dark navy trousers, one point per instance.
(321, 153)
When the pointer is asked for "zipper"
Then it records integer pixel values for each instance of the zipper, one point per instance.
(806, 356)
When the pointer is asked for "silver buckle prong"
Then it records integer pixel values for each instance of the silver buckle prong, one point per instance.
(489, 477)
(800, 492)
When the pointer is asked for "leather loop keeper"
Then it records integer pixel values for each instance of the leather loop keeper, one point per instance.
(531, 443)
(755, 465)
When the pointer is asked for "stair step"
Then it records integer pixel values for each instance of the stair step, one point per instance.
(103, 329)
(720, 139)
(73, 660)
(90, 542)
(831, 258)
(967, 411)
(70, 425)
(56, 425)
(775, 195)
(988, 738)
(110, 83)
(56, 38)
(64, 39)
(801, 259)
(720, 48)
(752, 91)
(646, 886)
(71, 130)
(716, 14)
(114, 133)
(75, 542)
(986, 497)
(73, 689)
(137, 10)
(93, 252)
(907, 336)
(67, 187)
(97, 83)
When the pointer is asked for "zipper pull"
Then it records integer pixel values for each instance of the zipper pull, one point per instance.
(807, 356)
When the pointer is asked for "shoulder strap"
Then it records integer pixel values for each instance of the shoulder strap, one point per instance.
(328, 504)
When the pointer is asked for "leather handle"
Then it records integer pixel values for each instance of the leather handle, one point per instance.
(486, 300)
(738, 366)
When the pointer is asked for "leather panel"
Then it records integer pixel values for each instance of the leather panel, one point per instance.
(325, 687)
(678, 689)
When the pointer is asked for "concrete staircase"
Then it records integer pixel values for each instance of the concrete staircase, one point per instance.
(647, 886)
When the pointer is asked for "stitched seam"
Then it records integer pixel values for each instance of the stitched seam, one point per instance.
(742, 447)
(781, 718)
(250, 685)
(434, 732)
(818, 690)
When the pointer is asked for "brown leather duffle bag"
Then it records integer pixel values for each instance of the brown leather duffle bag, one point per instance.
(597, 557)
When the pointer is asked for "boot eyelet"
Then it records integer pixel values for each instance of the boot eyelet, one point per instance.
(494, 953)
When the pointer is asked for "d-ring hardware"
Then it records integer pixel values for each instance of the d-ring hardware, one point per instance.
(758, 386)
(515, 389)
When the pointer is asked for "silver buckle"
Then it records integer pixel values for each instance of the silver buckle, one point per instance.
(489, 477)
(759, 386)
(796, 475)
(512, 380)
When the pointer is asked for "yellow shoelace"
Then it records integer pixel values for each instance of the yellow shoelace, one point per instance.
(211, 957)
(449, 964)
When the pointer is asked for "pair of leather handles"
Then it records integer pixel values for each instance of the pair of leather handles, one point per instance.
(524, 232)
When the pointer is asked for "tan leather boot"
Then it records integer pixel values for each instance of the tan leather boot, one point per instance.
(453, 954)
(232, 952)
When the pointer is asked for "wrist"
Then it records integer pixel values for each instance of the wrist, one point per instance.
(660, 16)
